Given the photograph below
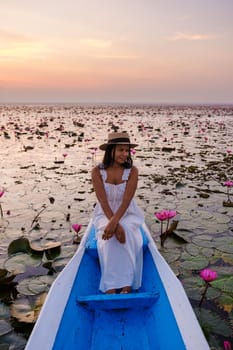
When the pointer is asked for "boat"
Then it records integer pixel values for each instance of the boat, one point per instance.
(76, 315)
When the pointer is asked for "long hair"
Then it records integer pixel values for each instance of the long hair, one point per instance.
(109, 156)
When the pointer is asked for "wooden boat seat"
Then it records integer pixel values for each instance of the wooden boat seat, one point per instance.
(118, 301)
(91, 243)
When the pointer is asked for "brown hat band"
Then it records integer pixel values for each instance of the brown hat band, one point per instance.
(119, 140)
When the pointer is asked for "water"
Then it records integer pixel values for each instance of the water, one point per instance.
(185, 154)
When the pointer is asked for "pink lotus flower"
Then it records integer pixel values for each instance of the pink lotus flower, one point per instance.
(208, 275)
(132, 151)
(2, 193)
(228, 183)
(76, 227)
(165, 214)
(227, 345)
(162, 216)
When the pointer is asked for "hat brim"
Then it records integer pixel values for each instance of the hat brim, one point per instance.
(104, 146)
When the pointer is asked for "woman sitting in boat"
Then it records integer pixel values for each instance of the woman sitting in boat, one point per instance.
(117, 217)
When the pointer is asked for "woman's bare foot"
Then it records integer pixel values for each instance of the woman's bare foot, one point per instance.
(111, 291)
(126, 290)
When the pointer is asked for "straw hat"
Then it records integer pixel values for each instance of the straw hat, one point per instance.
(116, 138)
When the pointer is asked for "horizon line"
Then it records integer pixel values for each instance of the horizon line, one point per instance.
(118, 103)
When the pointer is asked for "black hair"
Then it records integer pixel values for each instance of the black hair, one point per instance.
(109, 156)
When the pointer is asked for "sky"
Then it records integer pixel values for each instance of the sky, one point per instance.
(124, 51)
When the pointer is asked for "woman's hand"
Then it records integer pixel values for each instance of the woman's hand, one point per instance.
(110, 229)
(120, 234)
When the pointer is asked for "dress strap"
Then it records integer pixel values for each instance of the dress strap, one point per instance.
(103, 174)
(126, 173)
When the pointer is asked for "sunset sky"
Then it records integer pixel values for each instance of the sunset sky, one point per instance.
(144, 51)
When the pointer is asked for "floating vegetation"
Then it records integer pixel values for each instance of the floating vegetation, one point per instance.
(184, 160)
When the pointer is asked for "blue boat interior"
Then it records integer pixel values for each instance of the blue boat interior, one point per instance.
(141, 320)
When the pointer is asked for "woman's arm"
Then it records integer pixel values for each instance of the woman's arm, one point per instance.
(100, 192)
(128, 196)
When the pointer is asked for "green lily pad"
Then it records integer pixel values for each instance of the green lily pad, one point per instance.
(170, 255)
(181, 235)
(227, 258)
(201, 214)
(18, 263)
(3, 273)
(208, 252)
(43, 245)
(4, 311)
(194, 262)
(225, 301)
(204, 241)
(24, 311)
(192, 249)
(6, 282)
(225, 284)
(225, 244)
(193, 287)
(190, 225)
(213, 323)
(5, 327)
(19, 245)
(35, 285)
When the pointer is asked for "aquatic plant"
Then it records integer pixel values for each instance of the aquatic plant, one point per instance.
(208, 276)
(228, 184)
(165, 215)
(1, 194)
(132, 151)
(227, 345)
(76, 228)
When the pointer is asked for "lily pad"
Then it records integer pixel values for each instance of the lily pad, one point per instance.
(194, 262)
(43, 245)
(225, 301)
(35, 285)
(225, 284)
(193, 287)
(180, 235)
(18, 263)
(5, 327)
(24, 311)
(203, 241)
(4, 311)
(213, 323)
(170, 255)
(19, 245)
(201, 214)
(192, 249)
(225, 244)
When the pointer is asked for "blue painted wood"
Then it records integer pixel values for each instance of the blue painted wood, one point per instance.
(118, 301)
(97, 328)
(91, 244)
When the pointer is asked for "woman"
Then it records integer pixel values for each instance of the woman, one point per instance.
(117, 217)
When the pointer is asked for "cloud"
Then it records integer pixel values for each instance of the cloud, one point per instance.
(117, 57)
(191, 37)
(7, 37)
(95, 43)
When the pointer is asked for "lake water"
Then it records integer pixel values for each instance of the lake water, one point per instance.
(185, 154)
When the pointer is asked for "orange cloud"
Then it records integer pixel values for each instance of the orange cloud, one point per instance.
(189, 36)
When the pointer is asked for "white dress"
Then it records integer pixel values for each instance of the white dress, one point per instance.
(121, 264)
